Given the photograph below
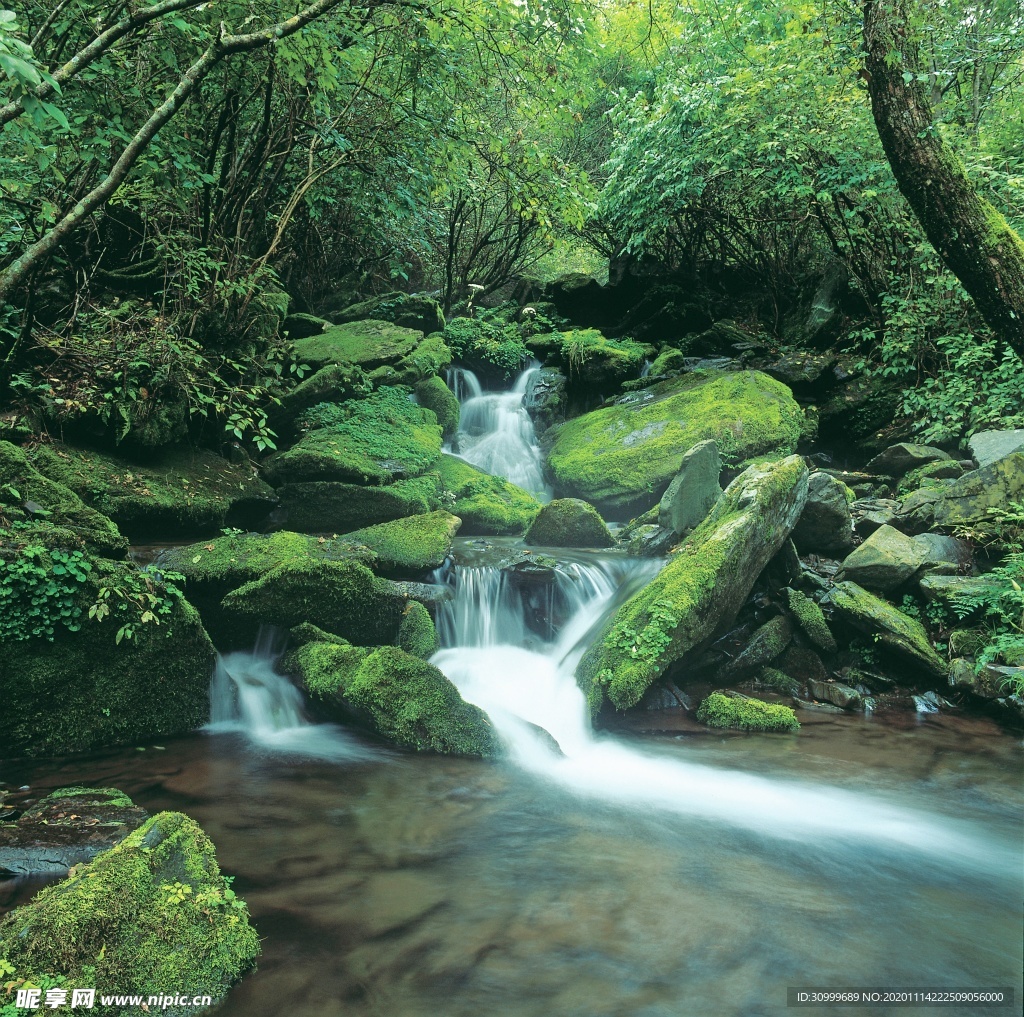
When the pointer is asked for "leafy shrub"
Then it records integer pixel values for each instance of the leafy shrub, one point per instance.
(500, 345)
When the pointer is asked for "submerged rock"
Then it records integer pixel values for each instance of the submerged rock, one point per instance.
(743, 713)
(68, 826)
(26, 495)
(885, 560)
(487, 505)
(825, 525)
(701, 589)
(178, 492)
(569, 522)
(152, 915)
(400, 697)
(622, 457)
(890, 627)
(692, 493)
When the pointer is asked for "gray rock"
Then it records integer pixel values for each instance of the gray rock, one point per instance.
(891, 628)
(970, 499)
(545, 399)
(826, 525)
(899, 459)
(835, 693)
(68, 826)
(693, 491)
(885, 560)
(917, 510)
(650, 541)
(765, 644)
(944, 552)
(945, 589)
(870, 513)
(962, 674)
(995, 681)
(989, 447)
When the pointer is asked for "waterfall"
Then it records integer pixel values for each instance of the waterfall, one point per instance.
(249, 695)
(496, 433)
(526, 685)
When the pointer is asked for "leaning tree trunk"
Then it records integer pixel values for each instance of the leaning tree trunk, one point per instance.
(972, 237)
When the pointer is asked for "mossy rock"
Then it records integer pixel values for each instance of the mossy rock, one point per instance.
(971, 499)
(395, 694)
(377, 440)
(430, 357)
(368, 344)
(150, 916)
(742, 713)
(331, 384)
(342, 597)
(301, 326)
(593, 361)
(415, 544)
(811, 620)
(27, 496)
(701, 589)
(182, 492)
(436, 396)
(410, 310)
(326, 506)
(569, 522)
(889, 627)
(84, 690)
(416, 632)
(622, 457)
(487, 505)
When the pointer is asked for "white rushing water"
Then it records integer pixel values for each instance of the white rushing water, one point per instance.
(527, 692)
(249, 696)
(496, 433)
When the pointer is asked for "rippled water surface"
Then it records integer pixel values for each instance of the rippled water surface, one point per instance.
(400, 886)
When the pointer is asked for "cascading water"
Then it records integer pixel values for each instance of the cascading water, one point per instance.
(248, 695)
(527, 687)
(496, 433)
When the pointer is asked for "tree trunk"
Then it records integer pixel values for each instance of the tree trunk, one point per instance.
(972, 237)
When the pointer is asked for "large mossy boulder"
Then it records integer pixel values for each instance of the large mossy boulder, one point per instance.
(437, 397)
(331, 384)
(889, 627)
(592, 361)
(487, 505)
(178, 492)
(389, 353)
(621, 458)
(151, 916)
(77, 683)
(971, 499)
(342, 597)
(409, 310)
(400, 697)
(569, 522)
(27, 496)
(328, 506)
(377, 440)
(413, 544)
(702, 588)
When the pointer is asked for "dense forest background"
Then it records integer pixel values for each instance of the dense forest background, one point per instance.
(176, 176)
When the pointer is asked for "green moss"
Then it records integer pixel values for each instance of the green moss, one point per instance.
(181, 491)
(382, 438)
(485, 504)
(429, 358)
(778, 680)
(436, 396)
(343, 597)
(745, 714)
(702, 587)
(569, 522)
(369, 344)
(404, 699)
(413, 544)
(486, 344)
(411, 310)
(668, 361)
(334, 383)
(300, 325)
(152, 915)
(593, 359)
(26, 495)
(325, 506)
(622, 457)
(83, 690)
(811, 619)
(416, 632)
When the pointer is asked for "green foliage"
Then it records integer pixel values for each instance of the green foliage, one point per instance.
(40, 590)
(746, 714)
(498, 344)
